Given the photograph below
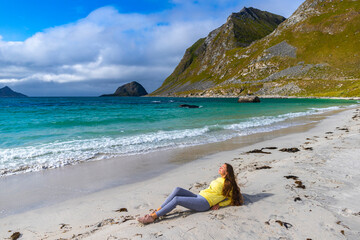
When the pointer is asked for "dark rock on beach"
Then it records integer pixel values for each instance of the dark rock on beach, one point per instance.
(263, 167)
(249, 99)
(291, 177)
(297, 199)
(270, 148)
(308, 148)
(292, 150)
(299, 184)
(15, 235)
(285, 224)
(121, 210)
(133, 89)
(258, 151)
(343, 129)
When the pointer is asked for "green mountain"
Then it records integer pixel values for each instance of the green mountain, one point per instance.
(202, 61)
(315, 52)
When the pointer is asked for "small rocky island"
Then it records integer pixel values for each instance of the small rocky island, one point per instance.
(133, 89)
(6, 92)
(249, 99)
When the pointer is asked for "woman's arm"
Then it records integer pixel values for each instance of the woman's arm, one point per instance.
(225, 202)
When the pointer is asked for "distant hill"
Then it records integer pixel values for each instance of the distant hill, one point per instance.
(133, 89)
(315, 52)
(7, 92)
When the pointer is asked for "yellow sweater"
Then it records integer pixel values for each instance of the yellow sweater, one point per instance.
(213, 194)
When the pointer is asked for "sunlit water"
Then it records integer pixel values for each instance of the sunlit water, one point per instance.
(41, 133)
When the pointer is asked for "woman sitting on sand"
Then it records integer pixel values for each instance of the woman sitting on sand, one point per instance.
(221, 192)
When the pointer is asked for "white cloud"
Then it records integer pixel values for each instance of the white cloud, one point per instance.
(104, 45)
(111, 47)
(9, 80)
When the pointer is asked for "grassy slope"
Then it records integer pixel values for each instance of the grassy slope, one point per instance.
(244, 32)
(331, 38)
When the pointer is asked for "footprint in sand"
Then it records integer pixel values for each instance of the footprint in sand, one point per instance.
(142, 206)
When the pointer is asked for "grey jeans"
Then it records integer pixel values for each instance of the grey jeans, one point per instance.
(185, 199)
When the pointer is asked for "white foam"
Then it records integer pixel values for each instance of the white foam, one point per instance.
(266, 120)
(62, 153)
(57, 154)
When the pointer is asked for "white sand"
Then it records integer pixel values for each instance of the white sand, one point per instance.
(329, 207)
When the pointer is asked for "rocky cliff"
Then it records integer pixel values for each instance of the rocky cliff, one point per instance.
(7, 92)
(316, 52)
(133, 89)
(202, 61)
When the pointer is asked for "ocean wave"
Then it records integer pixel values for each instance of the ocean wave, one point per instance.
(326, 109)
(57, 154)
(266, 120)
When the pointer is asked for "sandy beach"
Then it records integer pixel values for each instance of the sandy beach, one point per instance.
(312, 193)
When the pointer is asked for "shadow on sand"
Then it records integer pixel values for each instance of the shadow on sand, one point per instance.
(248, 199)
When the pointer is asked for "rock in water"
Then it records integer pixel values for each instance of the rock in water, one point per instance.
(133, 89)
(249, 99)
(7, 92)
(188, 106)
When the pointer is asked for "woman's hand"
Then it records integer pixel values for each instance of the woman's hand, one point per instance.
(215, 207)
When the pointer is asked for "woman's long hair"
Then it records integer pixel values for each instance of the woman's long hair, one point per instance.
(230, 184)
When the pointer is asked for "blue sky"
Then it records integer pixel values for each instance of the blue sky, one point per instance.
(88, 47)
(19, 19)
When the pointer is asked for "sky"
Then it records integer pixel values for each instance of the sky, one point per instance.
(91, 47)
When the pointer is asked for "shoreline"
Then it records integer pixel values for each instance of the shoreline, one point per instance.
(38, 167)
(78, 180)
(22, 155)
(260, 96)
(326, 209)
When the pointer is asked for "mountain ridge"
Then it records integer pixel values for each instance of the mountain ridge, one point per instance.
(240, 30)
(313, 53)
(6, 92)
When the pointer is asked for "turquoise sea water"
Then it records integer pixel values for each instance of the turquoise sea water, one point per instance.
(41, 133)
